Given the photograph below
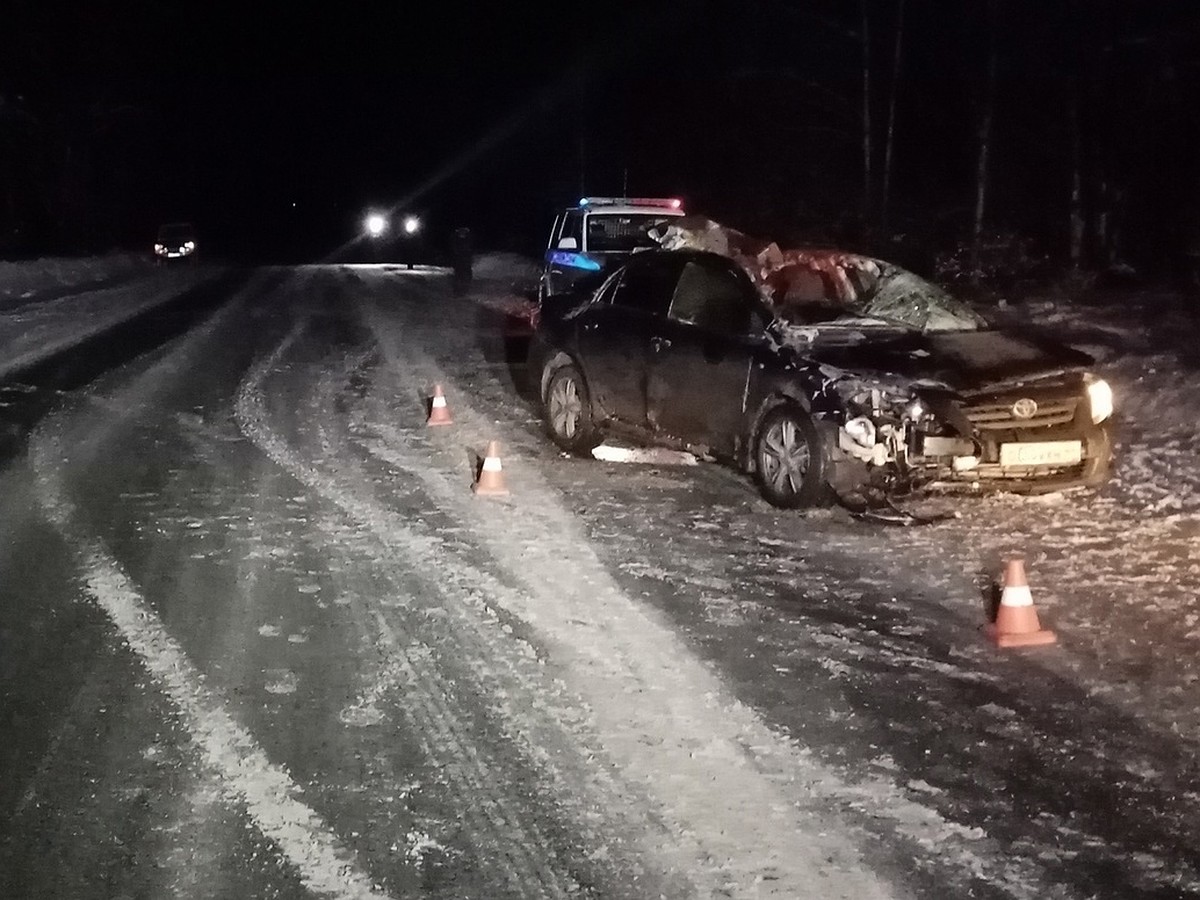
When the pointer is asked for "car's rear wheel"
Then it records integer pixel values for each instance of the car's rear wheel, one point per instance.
(790, 459)
(568, 411)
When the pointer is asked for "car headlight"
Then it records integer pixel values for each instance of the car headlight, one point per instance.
(1100, 397)
(160, 249)
(375, 224)
(189, 246)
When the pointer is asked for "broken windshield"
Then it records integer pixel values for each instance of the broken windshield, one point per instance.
(821, 288)
(901, 296)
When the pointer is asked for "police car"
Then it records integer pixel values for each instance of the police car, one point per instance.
(599, 234)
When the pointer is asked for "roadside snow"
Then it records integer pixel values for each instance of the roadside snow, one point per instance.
(506, 267)
(27, 278)
(34, 330)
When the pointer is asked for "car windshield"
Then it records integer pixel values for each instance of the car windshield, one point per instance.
(621, 232)
(834, 288)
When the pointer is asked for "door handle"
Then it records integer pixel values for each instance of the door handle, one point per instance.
(660, 343)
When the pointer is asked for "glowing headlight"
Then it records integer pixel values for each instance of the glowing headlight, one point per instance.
(376, 224)
(411, 225)
(189, 246)
(1100, 396)
(861, 431)
(160, 249)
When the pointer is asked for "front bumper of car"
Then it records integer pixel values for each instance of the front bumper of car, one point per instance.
(164, 251)
(1057, 459)
(1026, 440)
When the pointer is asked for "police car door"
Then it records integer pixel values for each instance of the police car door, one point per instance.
(564, 263)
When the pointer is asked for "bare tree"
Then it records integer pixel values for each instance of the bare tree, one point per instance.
(1076, 221)
(891, 125)
(985, 142)
(866, 108)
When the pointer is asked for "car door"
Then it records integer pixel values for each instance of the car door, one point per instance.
(565, 262)
(701, 353)
(614, 334)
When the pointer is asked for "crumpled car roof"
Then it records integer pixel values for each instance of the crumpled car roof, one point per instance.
(802, 286)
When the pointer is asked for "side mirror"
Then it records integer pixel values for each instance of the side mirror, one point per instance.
(568, 243)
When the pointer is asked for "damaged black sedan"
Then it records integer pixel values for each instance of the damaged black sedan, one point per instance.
(823, 375)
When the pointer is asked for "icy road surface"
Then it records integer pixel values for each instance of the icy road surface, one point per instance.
(258, 638)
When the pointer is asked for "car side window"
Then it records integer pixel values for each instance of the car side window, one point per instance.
(647, 284)
(713, 298)
(573, 228)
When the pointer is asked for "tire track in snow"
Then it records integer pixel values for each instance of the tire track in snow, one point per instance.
(271, 798)
(618, 644)
(460, 344)
(502, 669)
(664, 719)
(234, 762)
(512, 845)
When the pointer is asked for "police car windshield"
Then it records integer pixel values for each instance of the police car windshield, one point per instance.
(621, 232)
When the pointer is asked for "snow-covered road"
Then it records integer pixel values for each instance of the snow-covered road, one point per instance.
(309, 661)
(38, 324)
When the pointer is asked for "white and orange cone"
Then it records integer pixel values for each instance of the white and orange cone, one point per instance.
(1017, 623)
(439, 412)
(491, 475)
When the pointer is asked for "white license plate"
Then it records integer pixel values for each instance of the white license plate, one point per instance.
(1041, 453)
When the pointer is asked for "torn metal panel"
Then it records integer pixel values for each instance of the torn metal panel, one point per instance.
(804, 286)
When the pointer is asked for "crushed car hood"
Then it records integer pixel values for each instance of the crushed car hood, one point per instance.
(961, 360)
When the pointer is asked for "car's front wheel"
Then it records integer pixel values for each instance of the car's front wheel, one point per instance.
(568, 411)
(790, 459)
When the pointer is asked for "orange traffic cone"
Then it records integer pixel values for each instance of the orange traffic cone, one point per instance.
(439, 412)
(1017, 622)
(491, 475)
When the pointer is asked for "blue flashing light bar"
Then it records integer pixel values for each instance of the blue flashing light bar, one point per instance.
(656, 202)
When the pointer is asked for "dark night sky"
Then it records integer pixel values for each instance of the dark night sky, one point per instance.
(477, 113)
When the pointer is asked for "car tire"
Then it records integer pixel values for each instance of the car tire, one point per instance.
(567, 411)
(790, 460)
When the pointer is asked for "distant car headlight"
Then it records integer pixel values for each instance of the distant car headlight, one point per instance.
(160, 249)
(375, 224)
(412, 225)
(189, 246)
(1100, 396)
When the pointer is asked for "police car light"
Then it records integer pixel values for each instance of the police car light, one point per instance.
(654, 202)
(661, 202)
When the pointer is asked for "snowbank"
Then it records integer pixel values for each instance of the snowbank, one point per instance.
(26, 278)
(505, 267)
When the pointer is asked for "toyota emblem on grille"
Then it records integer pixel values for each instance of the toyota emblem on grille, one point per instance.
(1025, 408)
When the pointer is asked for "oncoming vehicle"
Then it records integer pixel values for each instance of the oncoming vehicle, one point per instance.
(844, 375)
(175, 241)
(598, 234)
(401, 240)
